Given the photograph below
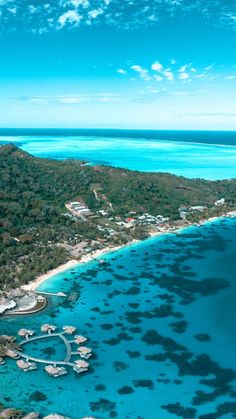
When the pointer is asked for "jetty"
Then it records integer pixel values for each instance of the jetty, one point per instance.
(52, 294)
(57, 367)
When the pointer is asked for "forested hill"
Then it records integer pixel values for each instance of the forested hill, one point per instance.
(33, 193)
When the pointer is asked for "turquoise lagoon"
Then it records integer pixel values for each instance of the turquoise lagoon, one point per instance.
(209, 155)
(160, 317)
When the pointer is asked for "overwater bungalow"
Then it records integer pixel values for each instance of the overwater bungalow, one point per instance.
(55, 371)
(84, 352)
(48, 328)
(24, 333)
(81, 366)
(2, 361)
(26, 366)
(79, 370)
(12, 354)
(70, 330)
(80, 339)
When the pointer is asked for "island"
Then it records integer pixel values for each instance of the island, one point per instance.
(54, 214)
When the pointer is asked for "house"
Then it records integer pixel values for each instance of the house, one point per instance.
(78, 208)
(220, 202)
(197, 208)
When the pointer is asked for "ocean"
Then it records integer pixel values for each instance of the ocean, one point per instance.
(160, 315)
(203, 154)
(160, 318)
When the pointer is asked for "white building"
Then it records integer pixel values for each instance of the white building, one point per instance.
(220, 202)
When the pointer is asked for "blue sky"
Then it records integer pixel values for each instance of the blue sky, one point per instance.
(164, 64)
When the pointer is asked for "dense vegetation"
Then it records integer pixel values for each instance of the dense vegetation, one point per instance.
(33, 193)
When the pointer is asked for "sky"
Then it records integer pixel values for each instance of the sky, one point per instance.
(142, 64)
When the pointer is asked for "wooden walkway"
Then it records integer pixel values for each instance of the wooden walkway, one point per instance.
(53, 294)
(73, 296)
(67, 343)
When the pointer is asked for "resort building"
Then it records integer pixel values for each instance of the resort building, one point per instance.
(70, 330)
(55, 371)
(6, 304)
(81, 366)
(48, 328)
(197, 208)
(80, 339)
(84, 352)
(78, 209)
(24, 333)
(220, 202)
(26, 366)
(12, 354)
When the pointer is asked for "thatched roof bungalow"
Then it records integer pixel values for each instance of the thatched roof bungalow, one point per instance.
(48, 328)
(80, 339)
(70, 330)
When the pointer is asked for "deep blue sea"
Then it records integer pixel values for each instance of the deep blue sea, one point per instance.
(160, 317)
(204, 154)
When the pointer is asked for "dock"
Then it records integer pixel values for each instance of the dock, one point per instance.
(52, 294)
(50, 365)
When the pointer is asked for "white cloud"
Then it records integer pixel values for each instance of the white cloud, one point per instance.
(78, 3)
(121, 71)
(183, 76)
(4, 2)
(156, 66)
(71, 17)
(95, 13)
(200, 76)
(142, 72)
(153, 18)
(157, 77)
(169, 75)
(72, 100)
(230, 77)
(32, 9)
(12, 10)
(209, 67)
(124, 14)
(183, 68)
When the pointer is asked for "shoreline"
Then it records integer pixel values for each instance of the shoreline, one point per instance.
(33, 285)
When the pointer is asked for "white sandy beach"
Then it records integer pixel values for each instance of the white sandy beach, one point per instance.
(33, 285)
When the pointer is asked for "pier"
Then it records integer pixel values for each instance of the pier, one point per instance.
(58, 365)
(52, 294)
(49, 336)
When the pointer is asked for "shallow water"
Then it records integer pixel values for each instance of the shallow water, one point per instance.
(207, 155)
(160, 318)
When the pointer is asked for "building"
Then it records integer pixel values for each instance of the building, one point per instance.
(220, 202)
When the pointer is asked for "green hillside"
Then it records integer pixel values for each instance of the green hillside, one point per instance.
(33, 193)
